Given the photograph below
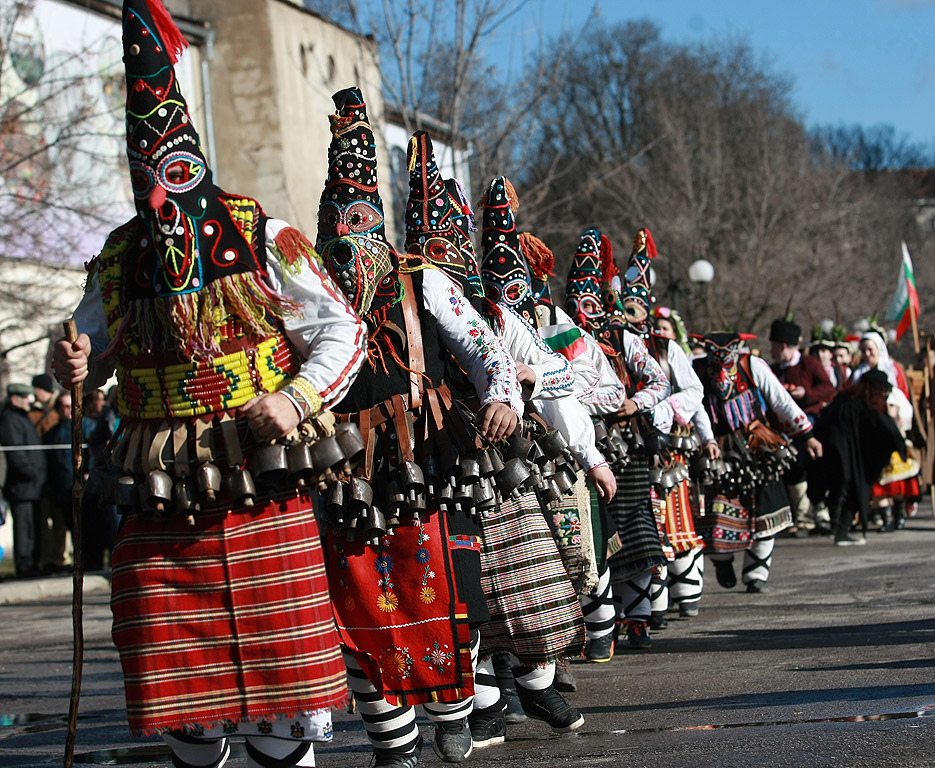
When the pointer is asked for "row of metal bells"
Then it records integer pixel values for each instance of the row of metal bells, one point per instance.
(614, 448)
(667, 478)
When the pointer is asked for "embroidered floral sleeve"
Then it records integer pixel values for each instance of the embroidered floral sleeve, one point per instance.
(687, 392)
(792, 418)
(655, 387)
(555, 376)
(480, 352)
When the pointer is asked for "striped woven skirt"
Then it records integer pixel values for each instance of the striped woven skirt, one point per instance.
(397, 611)
(534, 612)
(731, 524)
(227, 623)
(679, 522)
(631, 511)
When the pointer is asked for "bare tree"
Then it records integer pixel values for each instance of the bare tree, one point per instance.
(61, 119)
(702, 145)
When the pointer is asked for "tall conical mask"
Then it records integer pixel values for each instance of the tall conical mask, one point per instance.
(430, 231)
(503, 270)
(583, 286)
(351, 235)
(187, 238)
(637, 301)
(541, 263)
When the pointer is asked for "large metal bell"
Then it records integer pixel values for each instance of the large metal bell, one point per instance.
(600, 431)
(470, 469)
(335, 504)
(552, 444)
(351, 442)
(327, 459)
(444, 497)
(127, 494)
(299, 464)
(268, 465)
(411, 479)
(184, 498)
(518, 447)
(208, 481)
(158, 491)
(655, 477)
(360, 499)
(512, 477)
(485, 498)
(241, 488)
(376, 526)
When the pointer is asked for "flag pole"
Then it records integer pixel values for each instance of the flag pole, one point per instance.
(915, 326)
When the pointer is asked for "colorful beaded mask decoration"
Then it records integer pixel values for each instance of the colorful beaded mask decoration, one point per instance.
(463, 223)
(187, 238)
(351, 236)
(504, 272)
(430, 232)
(723, 348)
(637, 302)
(583, 286)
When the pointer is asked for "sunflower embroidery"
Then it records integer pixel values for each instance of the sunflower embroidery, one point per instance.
(396, 663)
(427, 595)
(387, 602)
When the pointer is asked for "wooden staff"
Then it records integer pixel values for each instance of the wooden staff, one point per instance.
(77, 597)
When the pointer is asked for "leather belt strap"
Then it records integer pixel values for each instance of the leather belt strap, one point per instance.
(413, 341)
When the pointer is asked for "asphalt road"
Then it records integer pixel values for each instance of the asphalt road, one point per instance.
(834, 667)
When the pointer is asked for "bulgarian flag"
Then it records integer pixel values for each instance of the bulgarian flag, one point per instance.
(905, 297)
(565, 338)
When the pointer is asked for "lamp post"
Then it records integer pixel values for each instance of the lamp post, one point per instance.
(701, 273)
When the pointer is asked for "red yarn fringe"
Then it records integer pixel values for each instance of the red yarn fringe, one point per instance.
(167, 30)
(493, 312)
(651, 251)
(541, 259)
(608, 266)
(293, 246)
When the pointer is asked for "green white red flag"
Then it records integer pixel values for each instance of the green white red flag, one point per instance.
(906, 298)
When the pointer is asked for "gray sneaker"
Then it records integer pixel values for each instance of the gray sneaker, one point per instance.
(453, 742)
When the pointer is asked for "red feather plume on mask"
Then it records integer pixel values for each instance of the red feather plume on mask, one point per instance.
(609, 268)
(167, 30)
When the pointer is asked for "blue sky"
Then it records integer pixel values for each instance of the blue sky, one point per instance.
(851, 61)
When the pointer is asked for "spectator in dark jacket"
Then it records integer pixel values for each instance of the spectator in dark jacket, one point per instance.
(24, 478)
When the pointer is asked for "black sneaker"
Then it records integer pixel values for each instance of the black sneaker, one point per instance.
(388, 758)
(758, 586)
(688, 609)
(550, 707)
(724, 570)
(658, 620)
(487, 727)
(638, 635)
(600, 649)
(453, 740)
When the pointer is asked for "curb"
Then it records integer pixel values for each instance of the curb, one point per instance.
(27, 590)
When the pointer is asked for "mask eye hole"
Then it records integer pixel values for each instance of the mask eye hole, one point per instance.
(362, 217)
(181, 171)
(142, 179)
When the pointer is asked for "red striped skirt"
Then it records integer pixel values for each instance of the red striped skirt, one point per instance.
(226, 620)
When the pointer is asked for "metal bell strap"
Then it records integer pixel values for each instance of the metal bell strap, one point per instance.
(239, 484)
(207, 475)
(410, 476)
(184, 491)
(156, 492)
